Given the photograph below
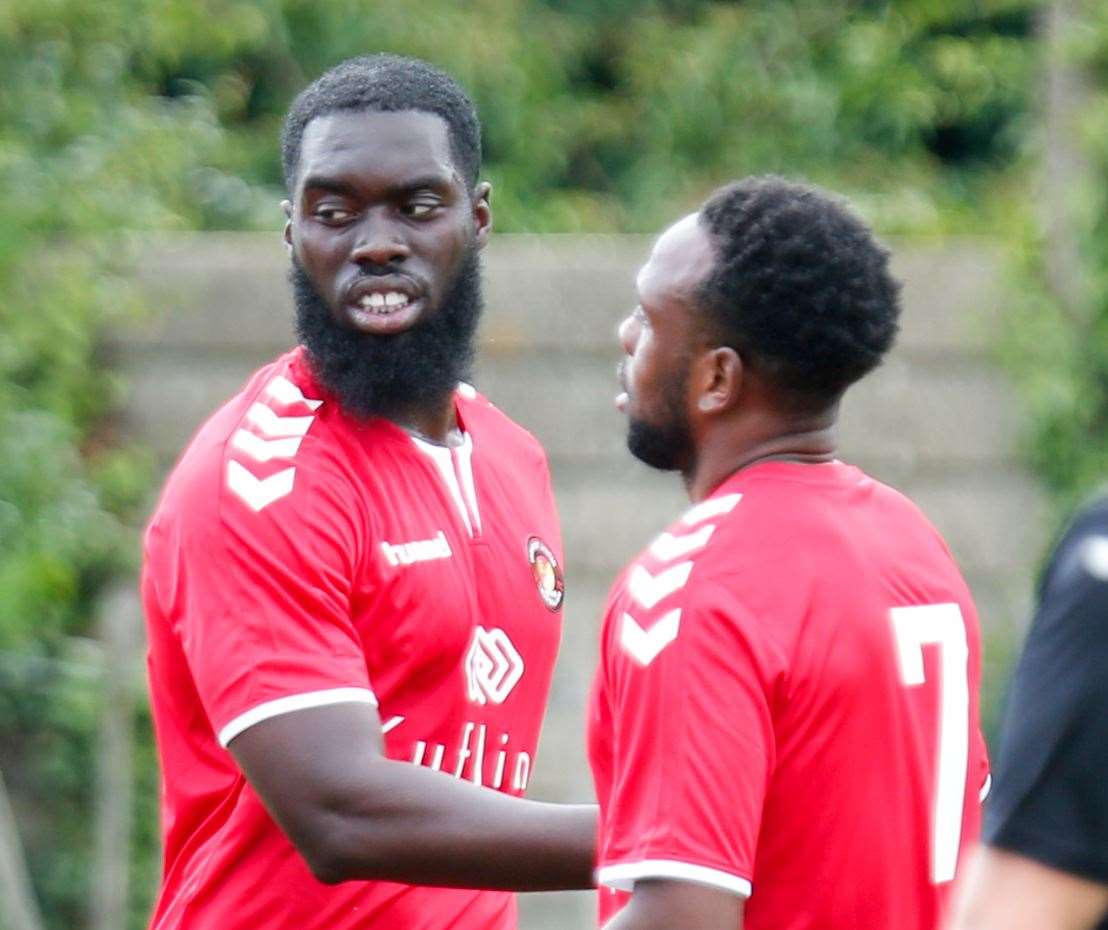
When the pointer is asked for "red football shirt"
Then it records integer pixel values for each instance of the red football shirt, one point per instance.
(786, 706)
(299, 557)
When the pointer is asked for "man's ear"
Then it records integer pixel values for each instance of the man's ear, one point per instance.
(718, 380)
(482, 212)
(286, 208)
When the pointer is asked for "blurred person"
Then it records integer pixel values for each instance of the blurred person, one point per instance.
(1044, 864)
(783, 728)
(352, 580)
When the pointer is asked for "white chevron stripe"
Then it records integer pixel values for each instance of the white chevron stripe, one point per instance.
(272, 425)
(285, 392)
(668, 547)
(712, 507)
(648, 589)
(258, 493)
(644, 645)
(262, 450)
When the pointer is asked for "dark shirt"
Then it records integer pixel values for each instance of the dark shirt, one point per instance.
(1050, 796)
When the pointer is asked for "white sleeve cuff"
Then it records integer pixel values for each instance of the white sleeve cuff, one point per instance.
(292, 703)
(623, 876)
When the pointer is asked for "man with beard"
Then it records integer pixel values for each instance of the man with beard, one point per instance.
(352, 579)
(783, 729)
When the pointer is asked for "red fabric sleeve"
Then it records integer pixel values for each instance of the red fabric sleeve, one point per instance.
(693, 743)
(260, 601)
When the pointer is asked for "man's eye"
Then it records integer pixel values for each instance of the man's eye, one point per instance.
(421, 208)
(333, 215)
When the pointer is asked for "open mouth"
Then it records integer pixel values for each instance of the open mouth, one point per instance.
(382, 306)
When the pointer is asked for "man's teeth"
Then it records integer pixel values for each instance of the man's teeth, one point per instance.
(379, 302)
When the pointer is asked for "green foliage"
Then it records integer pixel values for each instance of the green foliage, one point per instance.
(1057, 347)
(88, 150)
(614, 116)
(48, 713)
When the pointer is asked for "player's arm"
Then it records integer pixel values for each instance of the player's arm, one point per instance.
(352, 813)
(692, 752)
(265, 622)
(1044, 864)
(1006, 891)
(675, 905)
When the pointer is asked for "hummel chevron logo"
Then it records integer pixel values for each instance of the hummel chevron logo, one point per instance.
(644, 645)
(391, 724)
(668, 547)
(272, 425)
(648, 589)
(258, 493)
(712, 507)
(285, 392)
(262, 450)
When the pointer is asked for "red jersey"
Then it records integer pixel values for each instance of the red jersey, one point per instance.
(786, 706)
(300, 557)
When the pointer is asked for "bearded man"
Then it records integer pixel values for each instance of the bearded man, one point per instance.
(351, 580)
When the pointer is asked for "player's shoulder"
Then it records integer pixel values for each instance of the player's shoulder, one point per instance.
(487, 423)
(1085, 537)
(275, 437)
(691, 555)
(806, 519)
(1074, 586)
(700, 577)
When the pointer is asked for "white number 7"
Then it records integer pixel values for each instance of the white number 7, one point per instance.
(914, 628)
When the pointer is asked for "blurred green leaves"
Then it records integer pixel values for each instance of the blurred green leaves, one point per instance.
(92, 152)
(1057, 345)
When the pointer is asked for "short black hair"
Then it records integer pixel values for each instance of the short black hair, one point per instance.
(386, 84)
(799, 287)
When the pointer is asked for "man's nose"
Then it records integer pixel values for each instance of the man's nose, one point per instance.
(380, 242)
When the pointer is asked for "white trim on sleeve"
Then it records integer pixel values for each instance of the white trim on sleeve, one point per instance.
(623, 875)
(986, 787)
(291, 703)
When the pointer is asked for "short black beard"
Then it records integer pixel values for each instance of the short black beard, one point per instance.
(668, 445)
(392, 375)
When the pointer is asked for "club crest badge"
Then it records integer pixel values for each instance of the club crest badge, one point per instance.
(547, 573)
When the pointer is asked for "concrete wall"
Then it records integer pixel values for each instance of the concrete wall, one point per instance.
(937, 420)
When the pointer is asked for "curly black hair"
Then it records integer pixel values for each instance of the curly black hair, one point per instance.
(388, 84)
(799, 288)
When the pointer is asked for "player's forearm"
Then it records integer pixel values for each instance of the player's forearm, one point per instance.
(1006, 891)
(418, 826)
(660, 904)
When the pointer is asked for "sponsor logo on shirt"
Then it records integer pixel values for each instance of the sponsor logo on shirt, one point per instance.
(421, 550)
(493, 666)
(547, 573)
(476, 750)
